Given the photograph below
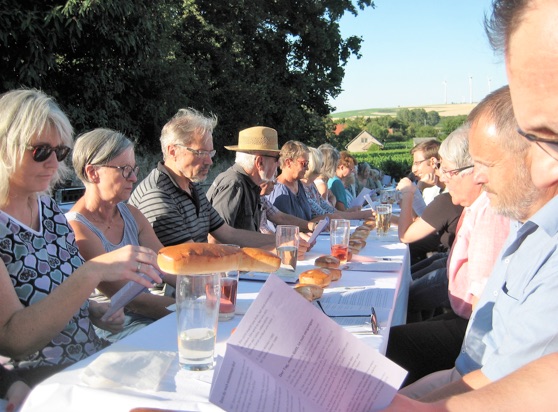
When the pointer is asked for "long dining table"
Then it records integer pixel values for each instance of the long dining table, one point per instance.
(180, 390)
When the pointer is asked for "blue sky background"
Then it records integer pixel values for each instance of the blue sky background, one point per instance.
(411, 47)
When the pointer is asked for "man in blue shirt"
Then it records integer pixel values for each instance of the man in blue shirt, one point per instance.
(510, 324)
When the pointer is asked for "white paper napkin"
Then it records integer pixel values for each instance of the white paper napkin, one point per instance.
(122, 368)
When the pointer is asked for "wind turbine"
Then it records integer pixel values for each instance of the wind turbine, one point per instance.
(489, 84)
(445, 83)
(470, 89)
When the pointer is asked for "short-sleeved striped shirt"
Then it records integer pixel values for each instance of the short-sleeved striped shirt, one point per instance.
(175, 216)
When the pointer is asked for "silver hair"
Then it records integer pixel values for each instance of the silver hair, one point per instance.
(184, 127)
(246, 160)
(314, 162)
(25, 114)
(291, 150)
(455, 148)
(98, 147)
(330, 159)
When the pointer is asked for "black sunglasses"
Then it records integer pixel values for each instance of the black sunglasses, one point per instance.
(373, 318)
(42, 152)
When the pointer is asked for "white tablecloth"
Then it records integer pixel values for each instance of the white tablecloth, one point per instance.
(189, 391)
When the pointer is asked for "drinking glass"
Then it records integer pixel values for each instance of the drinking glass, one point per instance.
(383, 219)
(229, 289)
(339, 232)
(286, 242)
(197, 312)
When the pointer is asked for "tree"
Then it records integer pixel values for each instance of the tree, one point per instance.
(450, 123)
(131, 64)
(426, 131)
(432, 118)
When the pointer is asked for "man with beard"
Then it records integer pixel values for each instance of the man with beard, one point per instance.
(525, 30)
(171, 198)
(235, 193)
(509, 326)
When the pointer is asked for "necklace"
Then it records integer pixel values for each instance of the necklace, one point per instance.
(103, 222)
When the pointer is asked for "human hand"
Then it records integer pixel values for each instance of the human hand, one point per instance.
(354, 209)
(303, 247)
(406, 186)
(429, 179)
(114, 324)
(15, 395)
(126, 263)
(401, 403)
(304, 238)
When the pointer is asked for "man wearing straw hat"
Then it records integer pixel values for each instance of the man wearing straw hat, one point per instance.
(235, 193)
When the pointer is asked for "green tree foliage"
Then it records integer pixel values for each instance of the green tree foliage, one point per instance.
(130, 64)
(450, 123)
(426, 131)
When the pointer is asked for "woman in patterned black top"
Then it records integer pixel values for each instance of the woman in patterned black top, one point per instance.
(45, 316)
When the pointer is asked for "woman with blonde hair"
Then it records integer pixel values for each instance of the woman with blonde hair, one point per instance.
(46, 319)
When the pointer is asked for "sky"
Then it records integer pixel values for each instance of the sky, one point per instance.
(419, 52)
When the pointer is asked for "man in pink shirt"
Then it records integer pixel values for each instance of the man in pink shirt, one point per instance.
(433, 345)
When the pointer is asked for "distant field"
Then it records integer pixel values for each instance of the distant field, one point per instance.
(442, 109)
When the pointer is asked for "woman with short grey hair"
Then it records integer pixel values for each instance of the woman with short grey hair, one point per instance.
(104, 161)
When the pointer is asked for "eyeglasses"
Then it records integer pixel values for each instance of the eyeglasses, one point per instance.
(451, 173)
(542, 143)
(199, 153)
(418, 162)
(373, 318)
(126, 170)
(42, 152)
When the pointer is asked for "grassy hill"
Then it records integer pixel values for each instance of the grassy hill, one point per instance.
(442, 109)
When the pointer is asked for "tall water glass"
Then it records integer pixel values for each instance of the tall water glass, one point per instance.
(383, 219)
(197, 312)
(286, 242)
(339, 233)
(229, 289)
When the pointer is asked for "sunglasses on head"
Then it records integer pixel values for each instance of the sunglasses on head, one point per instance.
(42, 152)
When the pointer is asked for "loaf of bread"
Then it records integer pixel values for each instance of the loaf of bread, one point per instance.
(327, 261)
(318, 276)
(203, 258)
(310, 292)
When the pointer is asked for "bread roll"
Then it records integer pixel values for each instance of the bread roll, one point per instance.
(335, 274)
(370, 223)
(363, 228)
(360, 234)
(310, 292)
(203, 258)
(327, 261)
(357, 243)
(318, 276)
